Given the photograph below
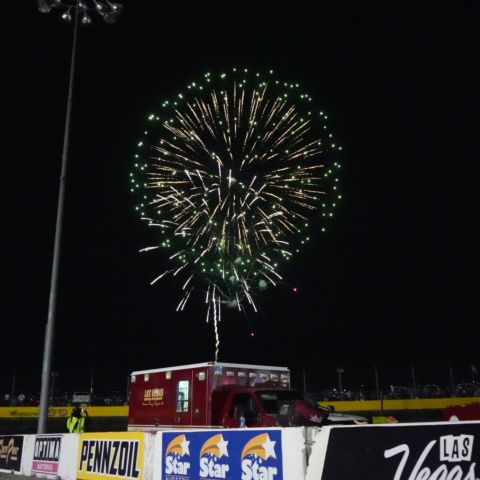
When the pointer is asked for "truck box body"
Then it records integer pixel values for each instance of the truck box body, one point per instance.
(195, 395)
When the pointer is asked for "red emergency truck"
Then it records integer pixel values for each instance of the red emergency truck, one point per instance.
(455, 413)
(213, 394)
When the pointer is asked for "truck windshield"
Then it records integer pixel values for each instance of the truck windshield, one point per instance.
(272, 400)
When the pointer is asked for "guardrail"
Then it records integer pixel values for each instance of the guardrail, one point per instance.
(25, 412)
(343, 406)
(407, 404)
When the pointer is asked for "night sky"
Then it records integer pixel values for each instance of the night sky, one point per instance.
(394, 281)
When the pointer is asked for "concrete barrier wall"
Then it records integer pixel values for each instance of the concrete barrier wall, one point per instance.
(89, 456)
(427, 451)
(440, 450)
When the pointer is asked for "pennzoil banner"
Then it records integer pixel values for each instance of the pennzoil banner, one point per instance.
(108, 455)
(245, 454)
(11, 447)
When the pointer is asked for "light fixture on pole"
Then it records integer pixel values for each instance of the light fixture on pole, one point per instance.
(67, 15)
(109, 13)
(44, 6)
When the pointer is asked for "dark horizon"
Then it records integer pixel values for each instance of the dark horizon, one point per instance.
(393, 282)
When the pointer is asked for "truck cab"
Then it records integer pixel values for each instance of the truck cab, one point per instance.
(216, 394)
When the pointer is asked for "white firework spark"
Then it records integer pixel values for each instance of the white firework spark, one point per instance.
(232, 175)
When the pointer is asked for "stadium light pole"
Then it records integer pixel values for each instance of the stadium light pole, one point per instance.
(340, 370)
(108, 11)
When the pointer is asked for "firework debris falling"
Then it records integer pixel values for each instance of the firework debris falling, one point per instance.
(230, 172)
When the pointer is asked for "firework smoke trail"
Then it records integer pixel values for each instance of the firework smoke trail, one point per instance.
(212, 301)
(215, 323)
(230, 176)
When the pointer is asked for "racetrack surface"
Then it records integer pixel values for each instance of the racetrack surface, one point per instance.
(13, 476)
(12, 426)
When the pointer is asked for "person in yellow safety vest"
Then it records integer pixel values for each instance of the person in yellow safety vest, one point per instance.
(76, 421)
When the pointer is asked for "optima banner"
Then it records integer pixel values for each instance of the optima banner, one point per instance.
(46, 454)
(443, 451)
(107, 455)
(11, 448)
(245, 454)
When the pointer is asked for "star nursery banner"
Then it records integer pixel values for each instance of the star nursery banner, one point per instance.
(229, 455)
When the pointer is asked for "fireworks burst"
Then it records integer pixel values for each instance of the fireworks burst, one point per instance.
(230, 172)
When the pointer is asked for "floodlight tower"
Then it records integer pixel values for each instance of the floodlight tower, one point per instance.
(78, 11)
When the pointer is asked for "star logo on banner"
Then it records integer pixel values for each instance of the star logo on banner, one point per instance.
(269, 447)
(184, 445)
(222, 447)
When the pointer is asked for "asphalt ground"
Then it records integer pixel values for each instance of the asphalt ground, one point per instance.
(11, 475)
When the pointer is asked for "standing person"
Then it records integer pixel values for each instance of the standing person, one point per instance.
(76, 421)
(84, 418)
